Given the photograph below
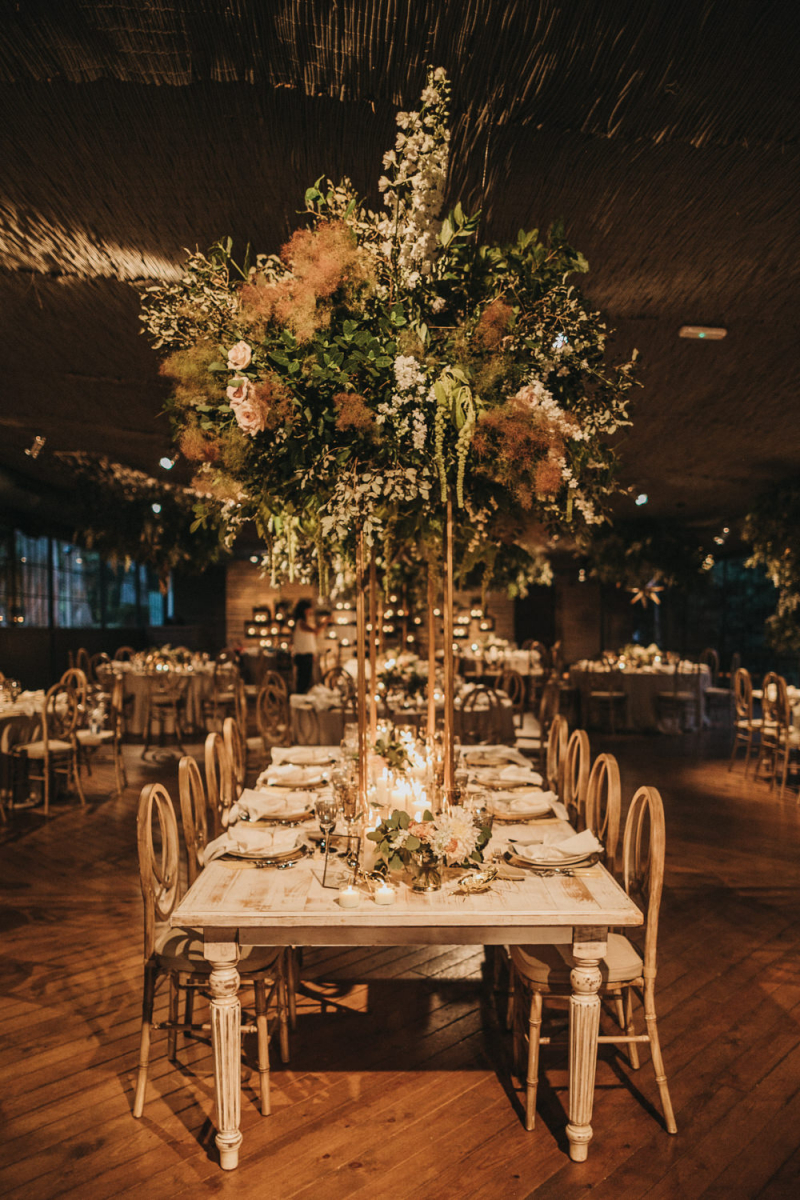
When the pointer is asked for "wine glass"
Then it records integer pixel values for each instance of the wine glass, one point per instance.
(326, 807)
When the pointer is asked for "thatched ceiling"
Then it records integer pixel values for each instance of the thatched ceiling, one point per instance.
(664, 133)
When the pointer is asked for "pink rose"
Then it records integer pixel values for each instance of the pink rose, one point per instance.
(238, 391)
(239, 356)
(249, 417)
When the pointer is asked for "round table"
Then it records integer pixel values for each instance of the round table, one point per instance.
(642, 688)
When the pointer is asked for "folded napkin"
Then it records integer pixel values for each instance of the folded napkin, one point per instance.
(253, 805)
(288, 775)
(299, 756)
(494, 756)
(511, 804)
(242, 839)
(578, 844)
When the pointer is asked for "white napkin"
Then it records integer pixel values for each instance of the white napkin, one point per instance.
(299, 756)
(579, 843)
(254, 805)
(245, 840)
(514, 804)
(288, 775)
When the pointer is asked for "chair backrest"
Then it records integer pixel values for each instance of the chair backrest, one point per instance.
(306, 725)
(545, 658)
(340, 680)
(84, 663)
(769, 696)
(576, 776)
(236, 748)
(226, 674)
(228, 655)
(710, 659)
(240, 697)
(743, 694)
(124, 653)
(219, 781)
(159, 859)
(603, 805)
(482, 711)
(513, 685)
(276, 680)
(272, 714)
(75, 679)
(557, 742)
(736, 662)
(549, 705)
(98, 662)
(194, 814)
(60, 713)
(643, 851)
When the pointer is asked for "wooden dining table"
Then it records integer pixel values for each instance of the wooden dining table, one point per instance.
(236, 905)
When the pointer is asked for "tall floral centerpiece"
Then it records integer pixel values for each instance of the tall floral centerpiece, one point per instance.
(386, 368)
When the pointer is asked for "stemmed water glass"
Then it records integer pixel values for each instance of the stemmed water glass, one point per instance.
(326, 807)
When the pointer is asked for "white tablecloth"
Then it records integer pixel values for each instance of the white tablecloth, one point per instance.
(642, 688)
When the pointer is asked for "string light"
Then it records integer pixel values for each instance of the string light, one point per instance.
(166, 462)
(156, 508)
(641, 499)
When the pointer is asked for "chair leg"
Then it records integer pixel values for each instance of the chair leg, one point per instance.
(292, 981)
(283, 1023)
(188, 1009)
(532, 1079)
(630, 1030)
(148, 994)
(172, 1034)
(263, 1045)
(515, 1021)
(784, 772)
(510, 1003)
(76, 776)
(658, 1061)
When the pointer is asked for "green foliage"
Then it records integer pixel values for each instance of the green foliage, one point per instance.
(772, 528)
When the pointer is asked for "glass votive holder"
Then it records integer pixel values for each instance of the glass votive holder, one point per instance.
(384, 893)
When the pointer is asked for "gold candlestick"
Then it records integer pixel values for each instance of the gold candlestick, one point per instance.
(374, 620)
(449, 673)
(361, 659)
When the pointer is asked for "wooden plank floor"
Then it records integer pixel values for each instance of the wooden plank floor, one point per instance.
(399, 1082)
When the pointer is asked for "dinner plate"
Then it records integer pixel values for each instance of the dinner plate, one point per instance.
(574, 860)
(485, 758)
(308, 756)
(296, 818)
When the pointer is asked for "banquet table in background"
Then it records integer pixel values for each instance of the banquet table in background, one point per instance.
(137, 683)
(324, 726)
(236, 908)
(642, 687)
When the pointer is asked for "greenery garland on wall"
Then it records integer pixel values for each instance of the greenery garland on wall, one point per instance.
(772, 529)
(636, 554)
(128, 515)
(385, 361)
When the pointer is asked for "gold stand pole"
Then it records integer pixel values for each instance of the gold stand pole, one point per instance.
(449, 673)
(373, 656)
(431, 651)
(361, 647)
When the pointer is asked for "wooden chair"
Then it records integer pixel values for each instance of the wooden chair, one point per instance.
(337, 679)
(607, 703)
(76, 680)
(236, 750)
(557, 742)
(220, 784)
(576, 777)
(544, 971)
(272, 715)
(305, 725)
(98, 662)
(535, 744)
(512, 683)
(194, 815)
(679, 703)
(221, 701)
(164, 705)
(603, 805)
(124, 653)
(176, 955)
(479, 718)
(112, 735)
(57, 749)
(745, 727)
(778, 736)
(14, 735)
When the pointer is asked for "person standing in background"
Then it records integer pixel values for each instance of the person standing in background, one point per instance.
(304, 645)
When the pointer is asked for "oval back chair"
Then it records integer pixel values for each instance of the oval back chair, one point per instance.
(219, 781)
(124, 653)
(603, 805)
(57, 750)
(272, 714)
(576, 776)
(236, 748)
(480, 716)
(194, 814)
(557, 742)
(76, 680)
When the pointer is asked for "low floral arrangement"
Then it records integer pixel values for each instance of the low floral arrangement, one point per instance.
(167, 656)
(641, 656)
(384, 362)
(406, 673)
(452, 838)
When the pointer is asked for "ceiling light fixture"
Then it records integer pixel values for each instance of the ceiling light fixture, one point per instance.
(641, 499)
(702, 332)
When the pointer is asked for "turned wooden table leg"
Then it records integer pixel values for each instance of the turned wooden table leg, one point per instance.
(226, 1020)
(588, 948)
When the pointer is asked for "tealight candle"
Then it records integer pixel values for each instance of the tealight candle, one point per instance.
(349, 897)
(385, 893)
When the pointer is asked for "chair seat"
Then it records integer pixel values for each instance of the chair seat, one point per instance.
(87, 738)
(550, 966)
(36, 749)
(718, 692)
(607, 695)
(743, 723)
(182, 950)
(681, 697)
